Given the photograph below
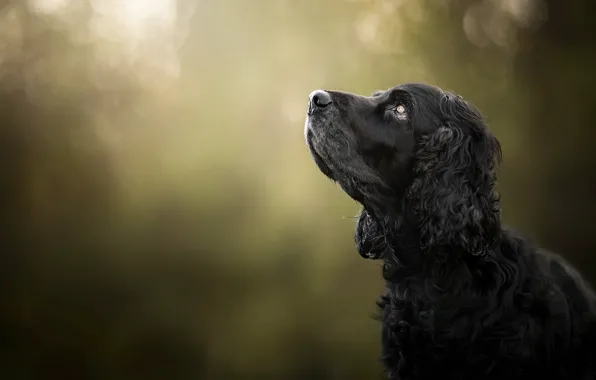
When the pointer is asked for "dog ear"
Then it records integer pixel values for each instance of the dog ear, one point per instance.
(452, 196)
(369, 237)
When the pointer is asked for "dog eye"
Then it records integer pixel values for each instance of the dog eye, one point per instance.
(400, 111)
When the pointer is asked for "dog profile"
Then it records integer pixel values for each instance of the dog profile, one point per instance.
(466, 297)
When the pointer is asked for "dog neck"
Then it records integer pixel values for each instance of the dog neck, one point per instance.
(392, 238)
(386, 233)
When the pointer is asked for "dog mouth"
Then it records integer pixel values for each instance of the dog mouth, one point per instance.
(323, 167)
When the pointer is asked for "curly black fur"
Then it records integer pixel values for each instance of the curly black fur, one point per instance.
(465, 298)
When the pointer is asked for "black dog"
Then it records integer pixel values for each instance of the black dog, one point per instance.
(466, 298)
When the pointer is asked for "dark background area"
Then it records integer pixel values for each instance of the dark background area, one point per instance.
(160, 216)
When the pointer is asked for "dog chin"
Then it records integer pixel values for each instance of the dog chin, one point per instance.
(319, 161)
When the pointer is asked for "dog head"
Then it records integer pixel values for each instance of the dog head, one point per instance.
(413, 150)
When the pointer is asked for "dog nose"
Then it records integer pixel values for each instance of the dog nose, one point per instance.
(319, 99)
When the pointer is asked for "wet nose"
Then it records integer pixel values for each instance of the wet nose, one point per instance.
(319, 99)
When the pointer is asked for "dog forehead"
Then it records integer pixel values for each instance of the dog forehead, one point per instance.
(387, 91)
(414, 89)
(411, 88)
(392, 93)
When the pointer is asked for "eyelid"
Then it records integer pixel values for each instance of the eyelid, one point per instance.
(396, 105)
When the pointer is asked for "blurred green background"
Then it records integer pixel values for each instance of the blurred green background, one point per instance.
(160, 215)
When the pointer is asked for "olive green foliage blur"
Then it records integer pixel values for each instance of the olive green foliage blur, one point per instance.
(161, 217)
